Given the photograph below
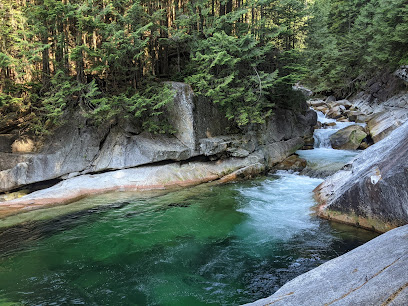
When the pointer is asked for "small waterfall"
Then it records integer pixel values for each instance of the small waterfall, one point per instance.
(323, 160)
(322, 136)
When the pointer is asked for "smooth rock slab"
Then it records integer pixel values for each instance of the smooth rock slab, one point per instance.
(181, 114)
(372, 274)
(122, 151)
(278, 151)
(383, 123)
(372, 191)
(134, 179)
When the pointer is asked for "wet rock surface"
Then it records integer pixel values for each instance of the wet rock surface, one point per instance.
(372, 191)
(382, 124)
(348, 138)
(381, 117)
(140, 178)
(372, 274)
(293, 163)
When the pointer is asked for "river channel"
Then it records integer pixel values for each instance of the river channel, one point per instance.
(206, 245)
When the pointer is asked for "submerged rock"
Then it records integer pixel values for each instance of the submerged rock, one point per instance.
(348, 138)
(372, 192)
(293, 162)
(372, 274)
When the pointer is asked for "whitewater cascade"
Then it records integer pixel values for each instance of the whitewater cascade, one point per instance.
(322, 135)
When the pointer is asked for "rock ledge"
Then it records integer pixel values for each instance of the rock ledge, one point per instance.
(372, 274)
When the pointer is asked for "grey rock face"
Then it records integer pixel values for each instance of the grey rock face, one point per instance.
(305, 91)
(70, 149)
(402, 73)
(214, 145)
(195, 117)
(8, 160)
(278, 151)
(364, 103)
(372, 274)
(373, 192)
(285, 125)
(181, 114)
(78, 147)
(233, 145)
(383, 123)
(120, 151)
(210, 121)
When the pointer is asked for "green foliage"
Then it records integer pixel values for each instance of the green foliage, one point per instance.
(147, 105)
(108, 59)
(60, 94)
(352, 41)
(9, 102)
(227, 73)
(5, 60)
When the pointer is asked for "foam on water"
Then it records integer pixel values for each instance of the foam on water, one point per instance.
(277, 209)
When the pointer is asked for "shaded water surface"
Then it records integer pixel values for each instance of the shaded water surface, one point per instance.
(209, 245)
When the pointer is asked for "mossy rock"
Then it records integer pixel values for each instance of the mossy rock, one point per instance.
(348, 138)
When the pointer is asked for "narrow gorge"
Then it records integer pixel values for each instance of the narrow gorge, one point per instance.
(263, 227)
(90, 160)
(204, 152)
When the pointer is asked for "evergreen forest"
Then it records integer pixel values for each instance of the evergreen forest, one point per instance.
(110, 58)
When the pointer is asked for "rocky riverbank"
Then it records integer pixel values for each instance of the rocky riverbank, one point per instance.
(80, 159)
(372, 274)
(370, 192)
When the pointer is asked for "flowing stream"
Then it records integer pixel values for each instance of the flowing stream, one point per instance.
(323, 160)
(207, 245)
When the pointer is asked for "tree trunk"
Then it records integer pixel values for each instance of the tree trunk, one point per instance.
(45, 74)
(80, 61)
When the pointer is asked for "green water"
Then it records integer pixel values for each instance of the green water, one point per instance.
(208, 245)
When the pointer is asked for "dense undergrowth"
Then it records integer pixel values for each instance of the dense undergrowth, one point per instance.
(109, 59)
